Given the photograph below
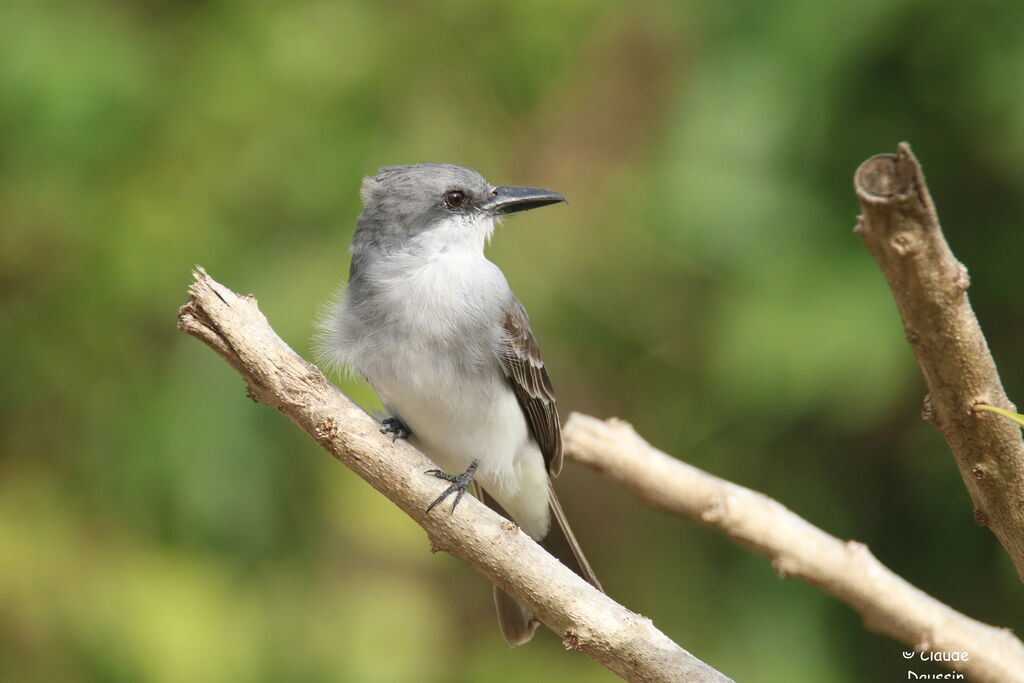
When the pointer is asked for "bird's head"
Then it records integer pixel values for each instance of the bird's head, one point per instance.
(439, 203)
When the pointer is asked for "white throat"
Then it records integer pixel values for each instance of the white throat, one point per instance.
(455, 233)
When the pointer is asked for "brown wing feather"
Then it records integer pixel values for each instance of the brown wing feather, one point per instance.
(520, 357)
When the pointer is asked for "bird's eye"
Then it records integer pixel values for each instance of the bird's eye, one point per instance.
(454, 198)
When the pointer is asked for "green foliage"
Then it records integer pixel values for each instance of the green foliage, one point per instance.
(703, 284)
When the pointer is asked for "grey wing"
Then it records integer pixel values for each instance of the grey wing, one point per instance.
(520, 358)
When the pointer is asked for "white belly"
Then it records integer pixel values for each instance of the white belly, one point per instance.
(428, 348)
(456, 420)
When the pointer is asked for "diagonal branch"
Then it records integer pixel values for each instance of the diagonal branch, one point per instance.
(586, 619)
(846, 570)
(900, 228)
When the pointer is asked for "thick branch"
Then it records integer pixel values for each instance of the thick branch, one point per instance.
(846, 570)
(586, 619)
(900, 228)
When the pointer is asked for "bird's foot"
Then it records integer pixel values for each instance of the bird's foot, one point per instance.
(394, 428)
(459, 484)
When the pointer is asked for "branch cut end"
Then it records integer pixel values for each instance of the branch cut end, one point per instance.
(891, 177)
(879, 177)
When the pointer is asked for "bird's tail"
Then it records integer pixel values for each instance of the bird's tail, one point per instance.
(562, 543)
(518, 623)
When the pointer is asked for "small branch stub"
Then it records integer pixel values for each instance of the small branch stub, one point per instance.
(900, 228)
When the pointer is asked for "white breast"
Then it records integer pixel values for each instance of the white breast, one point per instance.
(428, 350)
(435, 364)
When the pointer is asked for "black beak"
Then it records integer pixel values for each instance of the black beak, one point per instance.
(504, 199)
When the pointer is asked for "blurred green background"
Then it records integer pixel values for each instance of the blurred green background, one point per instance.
(704, 284)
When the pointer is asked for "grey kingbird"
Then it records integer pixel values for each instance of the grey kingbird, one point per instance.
(448, 349)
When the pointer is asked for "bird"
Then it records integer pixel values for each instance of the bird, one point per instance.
(435, 329)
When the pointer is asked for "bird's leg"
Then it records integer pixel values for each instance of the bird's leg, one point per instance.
(459, 484)
(395, 428)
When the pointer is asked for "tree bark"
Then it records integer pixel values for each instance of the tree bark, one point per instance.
(900, 228)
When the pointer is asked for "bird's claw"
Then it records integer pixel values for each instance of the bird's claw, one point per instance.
(395, 428)
(459, 484)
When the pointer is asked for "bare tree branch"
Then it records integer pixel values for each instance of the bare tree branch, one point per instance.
(586, 619)
(846, 570)
(900, 228)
